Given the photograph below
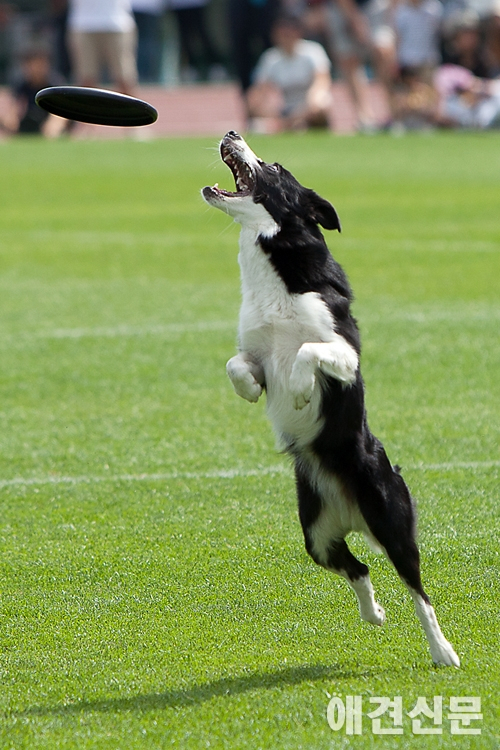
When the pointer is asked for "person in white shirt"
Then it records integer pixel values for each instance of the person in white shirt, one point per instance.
(292, 80)
(103, 35)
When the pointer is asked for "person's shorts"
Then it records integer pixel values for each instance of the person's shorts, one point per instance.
(94, 51)
(344, 42)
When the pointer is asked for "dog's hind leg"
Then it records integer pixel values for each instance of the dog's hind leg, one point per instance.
(342, 561)
(327, 547)
(390, 516)
(442, 651)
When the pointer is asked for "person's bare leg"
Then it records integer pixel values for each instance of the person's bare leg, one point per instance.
(357, 83)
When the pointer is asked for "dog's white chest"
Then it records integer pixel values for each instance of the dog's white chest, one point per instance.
(273, 325)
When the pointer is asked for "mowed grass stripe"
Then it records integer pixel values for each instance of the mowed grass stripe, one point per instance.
(446, 466)
(154, 329)
(465, 314)
(92, 239)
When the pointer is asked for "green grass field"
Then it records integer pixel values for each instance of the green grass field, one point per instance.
(155, 591)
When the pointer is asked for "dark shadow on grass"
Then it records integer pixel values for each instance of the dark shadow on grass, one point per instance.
(227, 686)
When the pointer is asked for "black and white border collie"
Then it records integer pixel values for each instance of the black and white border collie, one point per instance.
(299, 342)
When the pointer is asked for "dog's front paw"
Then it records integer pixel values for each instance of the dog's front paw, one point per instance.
(302, 399)
(248, 389)
(346, 371)
(302, 382)
(243, 380)
(343, 364)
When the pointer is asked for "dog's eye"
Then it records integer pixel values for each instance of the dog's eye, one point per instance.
(275, 167)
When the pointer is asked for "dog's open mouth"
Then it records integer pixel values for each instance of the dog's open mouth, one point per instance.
(244, 178)
(243, 175)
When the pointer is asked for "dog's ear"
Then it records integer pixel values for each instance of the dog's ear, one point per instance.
(322, 212)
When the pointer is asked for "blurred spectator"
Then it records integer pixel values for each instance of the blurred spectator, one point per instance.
(313, 17)
(492, 47)
(292, 80)
(26, 117)
(362, 31)
(467, 101)
(59, 22)
(199, 56)
(417, 24)
(462, 42)
(148, 18)
(6, 12)
(250, 24)
(452, 6)
(102, 37)
(414, 102)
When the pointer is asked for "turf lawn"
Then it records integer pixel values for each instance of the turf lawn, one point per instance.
(155, 592)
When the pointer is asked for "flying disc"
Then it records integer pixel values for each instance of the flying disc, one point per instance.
(97, 106)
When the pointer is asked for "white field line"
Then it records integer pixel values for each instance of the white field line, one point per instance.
(433, 316)
(155, 477)
(153, 329)
(97, 237)
(221, 474)
(144, 330)
(222, 325)
(453, 466)
(425, 245)
(101, 237)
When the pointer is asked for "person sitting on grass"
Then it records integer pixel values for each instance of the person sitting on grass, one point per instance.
(24, 116)
(292, 88)
(467, 101)
(414, 102)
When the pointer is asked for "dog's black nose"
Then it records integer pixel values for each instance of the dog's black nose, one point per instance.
(233, 135)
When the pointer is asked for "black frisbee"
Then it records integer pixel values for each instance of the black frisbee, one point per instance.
(97, 106)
